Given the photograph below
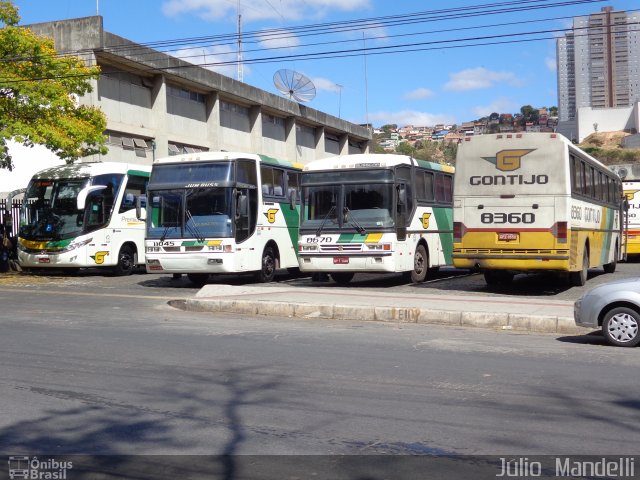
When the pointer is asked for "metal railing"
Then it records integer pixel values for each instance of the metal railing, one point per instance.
(15, 213)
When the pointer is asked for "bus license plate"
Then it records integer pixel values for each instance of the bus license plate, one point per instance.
(507, 237)
(340, 260)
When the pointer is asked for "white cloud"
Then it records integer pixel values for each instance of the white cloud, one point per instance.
(411, 117)
(325, 84)
(279, 39)
(252, 11)
(551, 64)
(500, 105)
(479, 78)
(207, 57)
(418, 94)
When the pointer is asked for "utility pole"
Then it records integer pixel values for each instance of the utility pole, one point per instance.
(239, 74)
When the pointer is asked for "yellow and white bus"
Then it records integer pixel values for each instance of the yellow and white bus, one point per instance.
(375, 213)
(83, 215)
(222, 212)
(630, 175)
(533, 202)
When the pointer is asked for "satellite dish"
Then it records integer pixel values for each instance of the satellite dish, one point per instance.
(294, 85)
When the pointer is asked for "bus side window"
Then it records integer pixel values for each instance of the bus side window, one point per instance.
(429, 184)
(293, 185)
(267, 180)
(135, 187)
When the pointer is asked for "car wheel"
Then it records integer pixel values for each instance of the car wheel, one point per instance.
(198, 279)
(620, 327)
(579, 278)
(611, 267)
(126, 262)
(420, 265)
(268, 271)
(342, 277)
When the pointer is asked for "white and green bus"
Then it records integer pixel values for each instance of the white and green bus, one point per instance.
(375, 213)
(222, 212)
(83, 215)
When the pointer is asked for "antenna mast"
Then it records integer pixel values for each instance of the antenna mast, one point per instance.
(239, 74)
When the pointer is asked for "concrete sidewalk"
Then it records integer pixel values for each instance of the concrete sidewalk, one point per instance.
(339, 303)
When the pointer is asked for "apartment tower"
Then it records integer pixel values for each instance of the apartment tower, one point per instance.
(599, 62)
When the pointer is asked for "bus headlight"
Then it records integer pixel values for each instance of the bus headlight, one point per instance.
(380, 246)
(307, 248)
(152, 249)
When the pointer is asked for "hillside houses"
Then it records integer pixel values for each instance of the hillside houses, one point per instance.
(391, 136)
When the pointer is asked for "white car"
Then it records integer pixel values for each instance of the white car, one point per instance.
(614, 307)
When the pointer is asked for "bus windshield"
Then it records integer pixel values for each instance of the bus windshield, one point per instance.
(50, 209)
(190, 213)
(348, 207)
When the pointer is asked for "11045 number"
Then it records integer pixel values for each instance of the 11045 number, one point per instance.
(512, 218)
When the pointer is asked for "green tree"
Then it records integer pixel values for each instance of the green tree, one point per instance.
(405, 148)
(38, 95)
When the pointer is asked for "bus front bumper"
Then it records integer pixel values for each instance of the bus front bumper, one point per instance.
(347, 263)
(221, 263)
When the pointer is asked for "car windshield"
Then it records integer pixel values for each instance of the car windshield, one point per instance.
(190, 213)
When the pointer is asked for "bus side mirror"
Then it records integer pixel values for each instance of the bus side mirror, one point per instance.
(84, 193)
(242, 205)
(141, 202)
(402, 195)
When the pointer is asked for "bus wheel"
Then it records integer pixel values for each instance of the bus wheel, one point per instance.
(579, 278)
(620, 327)
(611, 267)
(126, 262)
(268, 271)
(198, 279)
(420, 265)
(342, 277)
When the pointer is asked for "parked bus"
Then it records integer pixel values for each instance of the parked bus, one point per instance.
(534, 202)
(630, 175)
(83, 215)
(375, 213)
(222, 212)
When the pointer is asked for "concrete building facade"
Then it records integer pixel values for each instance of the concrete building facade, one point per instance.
(157, 105)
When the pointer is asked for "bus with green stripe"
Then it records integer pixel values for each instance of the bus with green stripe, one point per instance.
(222, 213)
(534, 202)
(376, 213)
(84, 215)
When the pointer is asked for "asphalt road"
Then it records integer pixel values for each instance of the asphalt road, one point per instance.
(102, 365)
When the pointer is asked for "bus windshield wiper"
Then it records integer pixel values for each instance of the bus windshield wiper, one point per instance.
(192, 228)
(324, 220)
(347, 214)
(166, 232)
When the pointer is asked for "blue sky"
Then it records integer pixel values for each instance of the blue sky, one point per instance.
(380, 81)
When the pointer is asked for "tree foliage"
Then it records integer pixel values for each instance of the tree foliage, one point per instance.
(38, 95)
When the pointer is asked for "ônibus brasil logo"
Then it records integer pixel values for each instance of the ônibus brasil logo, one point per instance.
(34, 468)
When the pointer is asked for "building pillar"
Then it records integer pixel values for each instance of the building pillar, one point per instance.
(343, 145)
(291, 139)
(159, 111)
(255, 124)
(320, 150)
(213, 121)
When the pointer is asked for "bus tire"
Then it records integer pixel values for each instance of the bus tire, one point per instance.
(342, 278)
(126, 262)
(420, 265)
(267, 271)
(620, 327)
(579, 278)
(198, 279)
(611, 267)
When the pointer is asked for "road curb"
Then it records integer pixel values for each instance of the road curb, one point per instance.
(496, 321)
